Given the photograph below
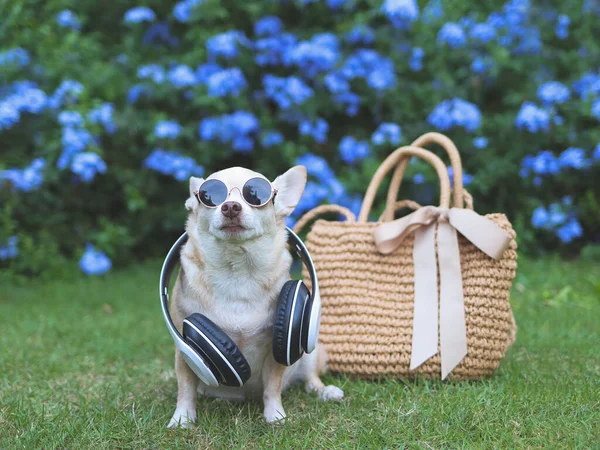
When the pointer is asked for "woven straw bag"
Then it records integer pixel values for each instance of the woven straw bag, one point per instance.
(368, 281)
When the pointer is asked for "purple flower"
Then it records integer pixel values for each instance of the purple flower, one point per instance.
(588, 85)
(336, 83)
(286, 92)
(226, 44)
(70, 119)
(553, 92)
(103, 115)
(596, 108)
(26, 98)
(418, 178)
(169, 129)
(136, 91)
(313, 195)
(204, 71)
(18, 56)
(402, 13)
(317, 129)
(28, 179)
(482, 32)
(320, 54)
(529, 42)
(532, 118)
(455, 113)
(556, 215)
(573, 158)
(94, 262)
(387, 132)
(10, 249)
(416, 59)
(453, 35)
(236, 129)
(182, 76)
(350, 101)
(75, 138)
(9, 115)
(352, 150)
(543, 163)
(174, 164)
(139, 14)
(540, 217)
(68, 19)
(316, 166)
(480, 142)
(570, 231)
(158, 34)
(67, 92)
(271, 139)
(183, 9)
(268, 26)
(433, 11)
(360, 35)
(546, 163)
(275, 50)
(151, 71)
(335, 4)
(87, 165)
(562, 26)
(226, 82)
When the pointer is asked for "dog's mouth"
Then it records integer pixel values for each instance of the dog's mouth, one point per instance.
(232, 228)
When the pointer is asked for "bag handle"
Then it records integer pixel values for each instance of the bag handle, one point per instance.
(399, 205)
(311, 214)
(455, 162)
(391, 161)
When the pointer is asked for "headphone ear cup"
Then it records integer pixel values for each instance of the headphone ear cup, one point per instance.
(308, 311)
(219, 351)
(287, 328)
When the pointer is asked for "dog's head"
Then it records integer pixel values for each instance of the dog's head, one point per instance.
(235, 219)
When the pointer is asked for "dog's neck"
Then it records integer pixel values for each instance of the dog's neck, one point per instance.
(262, 260)
(260, 254)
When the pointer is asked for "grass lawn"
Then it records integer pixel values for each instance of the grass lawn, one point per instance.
(89, 364)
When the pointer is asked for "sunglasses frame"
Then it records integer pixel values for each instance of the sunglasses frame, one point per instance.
(271, 197)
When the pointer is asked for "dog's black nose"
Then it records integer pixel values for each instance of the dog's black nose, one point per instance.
(231, 209)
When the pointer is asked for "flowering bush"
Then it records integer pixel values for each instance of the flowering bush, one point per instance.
(106, 112)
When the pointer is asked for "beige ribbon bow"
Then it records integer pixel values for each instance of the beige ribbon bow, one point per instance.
(483, 233)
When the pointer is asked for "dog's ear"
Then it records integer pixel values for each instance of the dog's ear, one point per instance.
(191, 202)
(290, 187)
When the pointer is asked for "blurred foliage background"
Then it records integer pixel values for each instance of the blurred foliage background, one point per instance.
(107, 110)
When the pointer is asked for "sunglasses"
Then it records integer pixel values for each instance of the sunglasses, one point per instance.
(256, 192)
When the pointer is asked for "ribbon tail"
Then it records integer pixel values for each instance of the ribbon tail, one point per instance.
(453, 330)
(425, 317)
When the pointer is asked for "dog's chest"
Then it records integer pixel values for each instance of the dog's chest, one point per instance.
(238, 288)
(241, 304)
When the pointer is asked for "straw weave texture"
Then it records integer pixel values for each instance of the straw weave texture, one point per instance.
(368, 299)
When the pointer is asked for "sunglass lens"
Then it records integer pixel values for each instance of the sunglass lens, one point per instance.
(212, 193)
(257, 191)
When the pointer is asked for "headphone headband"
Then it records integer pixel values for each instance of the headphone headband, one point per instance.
(173, 256)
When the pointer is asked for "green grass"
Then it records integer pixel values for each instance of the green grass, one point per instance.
(89, 364)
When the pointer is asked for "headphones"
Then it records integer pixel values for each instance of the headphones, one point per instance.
(214, 357)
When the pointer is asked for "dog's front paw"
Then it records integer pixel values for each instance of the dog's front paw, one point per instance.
(331, 393)
(182, 419)
(275, 415)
